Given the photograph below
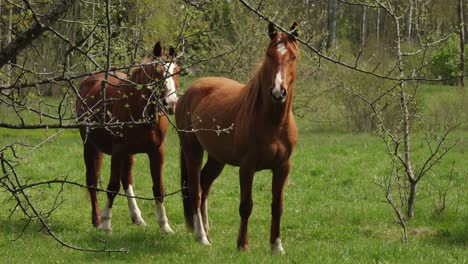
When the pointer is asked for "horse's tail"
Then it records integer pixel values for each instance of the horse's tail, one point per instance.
(186, 199)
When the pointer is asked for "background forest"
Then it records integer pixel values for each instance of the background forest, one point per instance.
(380, 171)
(221, 38)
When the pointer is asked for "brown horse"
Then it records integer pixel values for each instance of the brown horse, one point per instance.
(263, 138)
(128, 100)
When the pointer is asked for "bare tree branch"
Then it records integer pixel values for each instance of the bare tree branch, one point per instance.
(10, 51)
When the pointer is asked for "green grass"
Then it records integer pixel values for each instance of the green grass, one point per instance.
(333, 212)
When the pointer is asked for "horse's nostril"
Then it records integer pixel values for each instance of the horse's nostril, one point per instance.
(284, 93)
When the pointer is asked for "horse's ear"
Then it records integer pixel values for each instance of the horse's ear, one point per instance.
(293, 30)
(271, 30)
(172, 52)
(157, 50)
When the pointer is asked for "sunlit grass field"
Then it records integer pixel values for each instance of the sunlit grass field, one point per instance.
(333, 210)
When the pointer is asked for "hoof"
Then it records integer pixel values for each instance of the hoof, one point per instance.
(277, 252)
(166, 229)
(244, 248)
(106, 227)
(139, 222)
(96, 222)
(277, 248)
(204, 241)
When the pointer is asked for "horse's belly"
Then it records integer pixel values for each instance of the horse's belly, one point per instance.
(219, 146)
(131, 140)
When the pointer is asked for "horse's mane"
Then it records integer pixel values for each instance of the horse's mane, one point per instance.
(139, 74)
(252, 92)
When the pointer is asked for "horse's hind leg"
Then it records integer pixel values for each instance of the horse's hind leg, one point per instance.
(118, 155)
(156, 158)
(93, 161)
(127, 184)
(209, 173)
(192, 158)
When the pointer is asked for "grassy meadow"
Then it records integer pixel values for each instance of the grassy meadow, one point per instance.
(333, 210)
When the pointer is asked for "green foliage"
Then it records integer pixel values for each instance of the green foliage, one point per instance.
(350, 92)
(445, 62)
(443, 107)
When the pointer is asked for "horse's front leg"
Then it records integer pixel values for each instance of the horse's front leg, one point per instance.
(118, 155)
(246, 174)
(280, 175)
(156, 159)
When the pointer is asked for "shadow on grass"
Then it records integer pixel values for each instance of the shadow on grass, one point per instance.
(451, 237)
(140, 241)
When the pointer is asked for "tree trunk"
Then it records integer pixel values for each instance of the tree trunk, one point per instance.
(465, 26)
(363, 26)
(1, 26)
(23, 39)
(411, 200)
(461, 31)
(409, 21)
(406, 125)
(332, 14)
(377, 33)
(10, 33)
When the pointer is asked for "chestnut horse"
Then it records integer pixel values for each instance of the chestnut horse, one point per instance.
(263, 138)
(128, 100)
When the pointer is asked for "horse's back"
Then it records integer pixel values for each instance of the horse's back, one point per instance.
(212, 87)
(93, 82)
(210, 106)
(91, 87)
(209, 95)
(124, 104)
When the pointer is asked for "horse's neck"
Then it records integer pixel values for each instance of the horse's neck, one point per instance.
(141, 77)
(258, 104)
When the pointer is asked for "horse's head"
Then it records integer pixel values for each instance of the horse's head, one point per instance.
(282, 53)
(170, 73)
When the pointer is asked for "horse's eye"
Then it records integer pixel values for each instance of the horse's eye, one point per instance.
(293, 57)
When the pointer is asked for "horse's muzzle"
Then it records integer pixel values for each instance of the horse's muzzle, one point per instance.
(281, 98)
(170, 111)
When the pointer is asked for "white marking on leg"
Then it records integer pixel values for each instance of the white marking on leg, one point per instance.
(277, 247)
(204, 210)
(106, 216)
(162, 219)
(171, 96)
(200, 234)
(135, 213)
(278, 80)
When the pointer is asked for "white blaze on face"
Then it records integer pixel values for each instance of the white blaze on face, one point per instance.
(171, 96)
(278, 80)
(281, 48)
